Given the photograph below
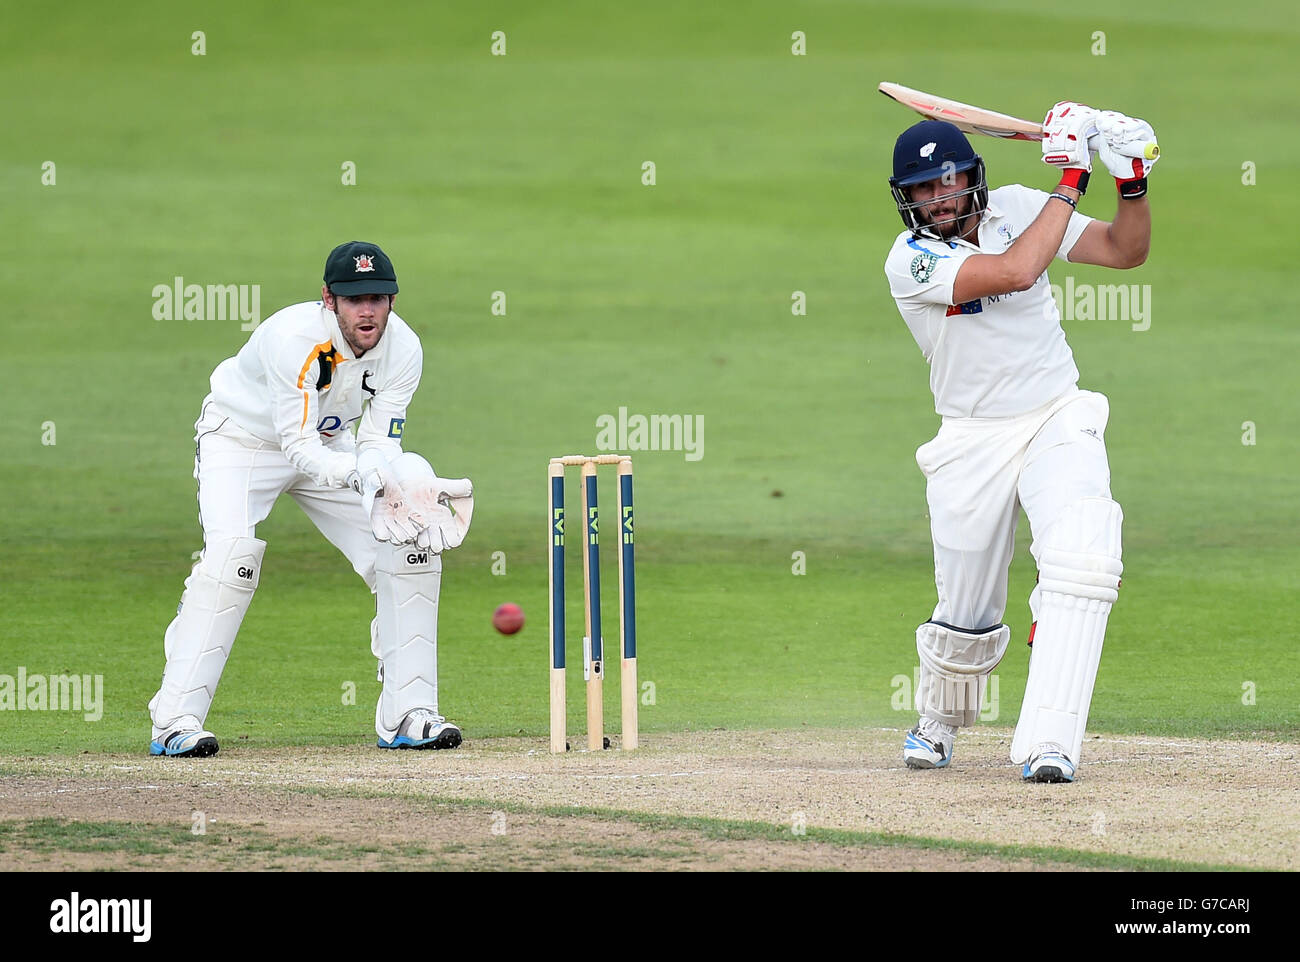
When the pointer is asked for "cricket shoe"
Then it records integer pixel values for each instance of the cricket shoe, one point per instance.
(929, 744)
(1048, 763)
(187, 740)
(423, 728)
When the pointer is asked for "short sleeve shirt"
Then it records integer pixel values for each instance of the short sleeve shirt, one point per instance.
(995, 356)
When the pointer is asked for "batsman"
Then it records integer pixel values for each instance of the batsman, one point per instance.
(280, 419)
(969, 276)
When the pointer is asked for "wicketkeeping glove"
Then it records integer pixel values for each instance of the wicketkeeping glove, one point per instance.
(393, 516)
(448, 505)
(367, 479)
(1122, 145)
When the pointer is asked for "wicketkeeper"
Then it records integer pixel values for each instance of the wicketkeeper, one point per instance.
(969, 275)
(280, 420)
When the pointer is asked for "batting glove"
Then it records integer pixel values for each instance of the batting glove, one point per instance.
(1066, 129)
(1123, 145)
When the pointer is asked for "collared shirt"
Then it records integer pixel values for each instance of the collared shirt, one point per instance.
(297, 383)
(994, 356)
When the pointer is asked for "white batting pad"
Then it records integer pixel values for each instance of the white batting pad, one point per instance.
(407, 580)
(199, 639)
(1078, 582)
(954, 664)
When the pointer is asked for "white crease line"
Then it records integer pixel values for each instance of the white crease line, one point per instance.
(88, 788)
(278, 779)
(1190, 744)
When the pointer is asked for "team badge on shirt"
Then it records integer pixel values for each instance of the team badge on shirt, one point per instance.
(923, 266)
(364, 263)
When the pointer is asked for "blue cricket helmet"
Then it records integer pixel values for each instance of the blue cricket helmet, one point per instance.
(927, 151)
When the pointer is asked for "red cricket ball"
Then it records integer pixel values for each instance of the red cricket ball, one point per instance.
(508, 619)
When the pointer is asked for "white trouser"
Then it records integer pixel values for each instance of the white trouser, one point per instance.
(240, 478)
(981, 471)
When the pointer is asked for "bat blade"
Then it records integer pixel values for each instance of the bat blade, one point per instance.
(990, 123)
(965, 117)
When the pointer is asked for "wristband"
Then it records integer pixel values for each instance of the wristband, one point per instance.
(1058, 196)
(1075, 178)
(1132, 189)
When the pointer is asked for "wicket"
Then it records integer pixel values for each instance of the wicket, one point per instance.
(592, 642)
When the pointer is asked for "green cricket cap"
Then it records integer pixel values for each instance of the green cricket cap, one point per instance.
(358, 267)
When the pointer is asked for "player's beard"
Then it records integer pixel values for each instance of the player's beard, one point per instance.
(350, 322)
(954, 223)
(355, 336)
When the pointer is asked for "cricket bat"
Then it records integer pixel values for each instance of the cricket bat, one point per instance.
(977, 120)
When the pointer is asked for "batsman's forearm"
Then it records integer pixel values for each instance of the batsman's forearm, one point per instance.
(1033, 250)
(1130, 231)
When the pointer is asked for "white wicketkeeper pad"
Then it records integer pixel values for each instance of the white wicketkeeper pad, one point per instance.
(1078, 582)
(199, 639)
(407, 579)
(954, 664)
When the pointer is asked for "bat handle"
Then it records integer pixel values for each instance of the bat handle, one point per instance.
(1148, 151)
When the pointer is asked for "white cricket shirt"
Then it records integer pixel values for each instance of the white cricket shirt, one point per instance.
(297, 383)
(995, 356)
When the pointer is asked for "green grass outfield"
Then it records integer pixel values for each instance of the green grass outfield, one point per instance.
(522, 174)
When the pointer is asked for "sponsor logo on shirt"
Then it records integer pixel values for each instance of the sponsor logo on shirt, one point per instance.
(395, 427)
